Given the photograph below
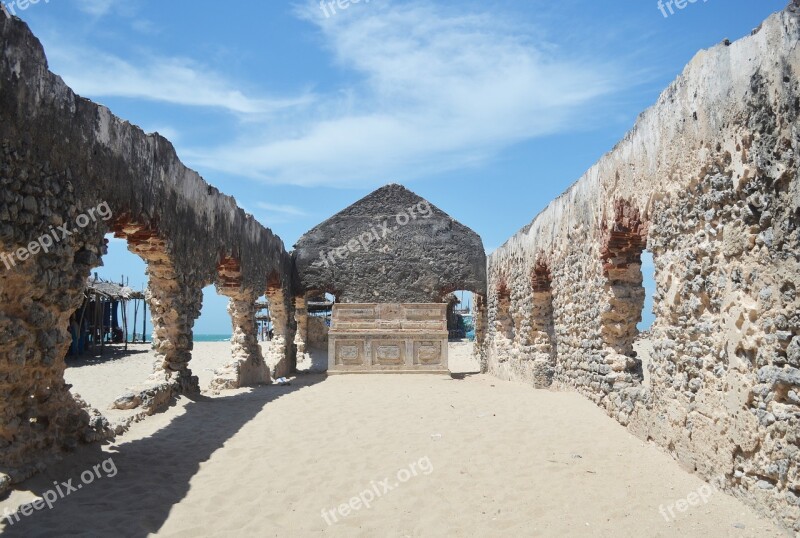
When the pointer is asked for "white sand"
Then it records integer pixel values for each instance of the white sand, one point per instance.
(505, 460)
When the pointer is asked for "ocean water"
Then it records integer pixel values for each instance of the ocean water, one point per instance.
(212, 338)
(198, 337)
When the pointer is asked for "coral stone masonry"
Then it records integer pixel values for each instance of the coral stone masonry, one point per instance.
(706, 182)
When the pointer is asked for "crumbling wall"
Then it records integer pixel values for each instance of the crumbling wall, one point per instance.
(67, 162)
(707, 181)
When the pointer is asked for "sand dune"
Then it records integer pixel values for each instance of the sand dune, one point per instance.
(476, 457)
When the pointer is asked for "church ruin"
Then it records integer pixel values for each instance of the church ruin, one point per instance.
(707, 181)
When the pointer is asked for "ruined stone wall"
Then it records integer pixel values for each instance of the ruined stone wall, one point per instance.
(63, 159)
(707, 181)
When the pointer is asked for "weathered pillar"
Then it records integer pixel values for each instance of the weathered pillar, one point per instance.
(541, 339)
(301, 333)
(175, 304)
(481, 324)
(277, 352)
(39, 417)
(38, 414)
(247, 367)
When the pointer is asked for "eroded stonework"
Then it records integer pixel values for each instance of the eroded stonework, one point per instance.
(707, 182)
(63, 161)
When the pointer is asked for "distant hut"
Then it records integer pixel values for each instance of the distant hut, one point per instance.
(100, 320)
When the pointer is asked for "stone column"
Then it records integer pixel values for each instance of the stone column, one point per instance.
(277, 352)
(247, 366)
(304, 361)
(542, 339)
(480, 332)
(39, 417)
(175, 304)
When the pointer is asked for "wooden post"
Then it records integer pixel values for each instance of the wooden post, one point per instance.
(124, 323)
(135, 311)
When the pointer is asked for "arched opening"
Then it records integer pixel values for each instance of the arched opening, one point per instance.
(643, 345)
(211, 335)
(313, 314)
(504, 322)
(625, 241)
(174, 303)
(462, 319)
(277, 352)
(246, 365)
(542, 338)
(109, 331)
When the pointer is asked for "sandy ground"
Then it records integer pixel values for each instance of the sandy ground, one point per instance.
(471, 457)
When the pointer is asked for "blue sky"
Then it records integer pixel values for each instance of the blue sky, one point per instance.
(487, 109)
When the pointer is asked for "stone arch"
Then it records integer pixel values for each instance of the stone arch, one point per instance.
(175, 304)
(311, 332)
(280, 350)
(247, 366)
(624, 240)
(504, 321)
(542, 337)
(62, 157)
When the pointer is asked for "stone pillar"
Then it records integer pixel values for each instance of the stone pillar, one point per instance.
(39, 417)
(304, 361)
(277, 352)
(175, 304)
(481, 324)
(542, 339)
(247, 367)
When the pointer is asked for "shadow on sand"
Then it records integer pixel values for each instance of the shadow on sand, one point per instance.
(153, 472)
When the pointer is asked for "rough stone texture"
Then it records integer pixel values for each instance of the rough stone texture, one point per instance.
(391, 246)
(419, 258)
(280, 355)
(60, 157)
(707, 181)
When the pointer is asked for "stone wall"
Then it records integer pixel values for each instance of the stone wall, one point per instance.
(392, 246)
(72, 171)
(317, 333)
(707, 182)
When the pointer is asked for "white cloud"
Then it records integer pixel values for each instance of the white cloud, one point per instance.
(439, 91)
(435, 90)
(97, 8)
(282, 209)
(171, 80)
(170, 133)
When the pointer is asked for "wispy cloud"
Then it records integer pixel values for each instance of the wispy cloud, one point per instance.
(178, 81)
(282, 209)
(96, 8)
(439, 90)
(434, 89)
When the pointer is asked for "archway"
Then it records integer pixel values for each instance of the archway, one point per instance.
(625, 240)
